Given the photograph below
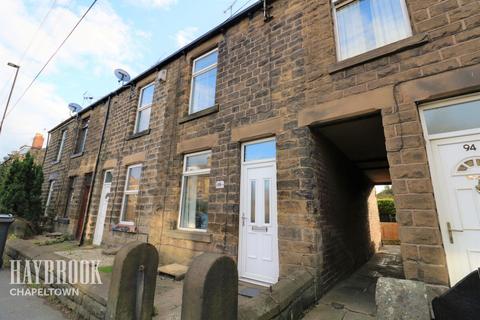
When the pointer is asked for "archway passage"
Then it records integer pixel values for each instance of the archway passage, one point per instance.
(350, 157)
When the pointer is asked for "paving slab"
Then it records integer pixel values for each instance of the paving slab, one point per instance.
(354, 297)
(23, 307)
(325, 311)
(175, 270)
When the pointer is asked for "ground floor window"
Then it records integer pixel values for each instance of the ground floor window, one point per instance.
(49, 196)
(130, 195)
(70, 193)
(195, 191)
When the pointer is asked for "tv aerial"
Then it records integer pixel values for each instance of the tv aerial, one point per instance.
(87, 98)
(122, 76)
(74, 108)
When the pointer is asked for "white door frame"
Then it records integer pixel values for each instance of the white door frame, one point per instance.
(242, 231)
(436, 172)
(100, 225)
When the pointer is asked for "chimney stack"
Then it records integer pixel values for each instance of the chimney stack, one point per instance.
(37, 141)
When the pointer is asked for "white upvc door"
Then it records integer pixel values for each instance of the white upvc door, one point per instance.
(452, 133)
(457, 171)
(102, 208)
(258, 248)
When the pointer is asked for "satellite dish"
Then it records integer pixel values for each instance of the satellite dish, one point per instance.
(74, 107)
(122, 75)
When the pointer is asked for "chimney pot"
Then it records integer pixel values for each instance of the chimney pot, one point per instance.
(37, 141)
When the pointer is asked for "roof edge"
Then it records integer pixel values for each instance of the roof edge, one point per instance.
(203, 38)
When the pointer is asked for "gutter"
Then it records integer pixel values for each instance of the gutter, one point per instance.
(94, 175)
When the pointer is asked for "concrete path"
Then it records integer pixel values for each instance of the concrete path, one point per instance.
(354, 298)
(16, 307)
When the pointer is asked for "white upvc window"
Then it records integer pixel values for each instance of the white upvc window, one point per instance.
(61, 145)
(363, 25)
(49, 196)
(204, 82)
(82, 136)
(195, 191)
(130, 195)
(144, 109)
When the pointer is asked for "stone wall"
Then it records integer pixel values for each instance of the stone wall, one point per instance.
(348, 222)
(449, 30)
(277, 78)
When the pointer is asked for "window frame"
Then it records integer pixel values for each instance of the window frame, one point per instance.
(442, 103)
(140, 108)
(61, 146)
(198, 73)
(185, 174)
(84, 126)
(129, 192)
(338, 4)
(51, 184)
(245, 144)
(70, 192)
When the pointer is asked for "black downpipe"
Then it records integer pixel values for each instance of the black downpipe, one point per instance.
(94, 175)
(266, 11)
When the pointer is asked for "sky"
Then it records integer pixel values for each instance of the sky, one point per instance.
(128, 34)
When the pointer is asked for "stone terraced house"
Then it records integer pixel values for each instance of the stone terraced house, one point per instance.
(264, 139)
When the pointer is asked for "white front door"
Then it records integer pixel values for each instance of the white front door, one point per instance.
(258, 250)
(452, 131)
(458, 200)
(102, 208)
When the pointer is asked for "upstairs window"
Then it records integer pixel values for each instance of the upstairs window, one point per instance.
(61, 145)
(82, 136)
(363, 25)
(144, 108)
(130, 195)
(195, 191)
(204, 82)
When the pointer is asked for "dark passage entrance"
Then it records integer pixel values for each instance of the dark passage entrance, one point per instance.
(351, 159)
(87, 184)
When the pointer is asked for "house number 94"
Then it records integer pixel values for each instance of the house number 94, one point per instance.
(469, 147)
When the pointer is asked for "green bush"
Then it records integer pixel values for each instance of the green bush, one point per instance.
(21, 189)
(386, 209)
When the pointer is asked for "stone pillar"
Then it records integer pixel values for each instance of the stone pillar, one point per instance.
(210, 289)
(132, 287)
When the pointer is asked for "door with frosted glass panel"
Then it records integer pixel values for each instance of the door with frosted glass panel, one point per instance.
(259, 256)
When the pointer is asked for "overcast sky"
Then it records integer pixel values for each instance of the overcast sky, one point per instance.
(128, 34)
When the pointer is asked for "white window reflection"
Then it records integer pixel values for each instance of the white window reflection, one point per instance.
(363, 25)
(457, 117)
(204, 82)
(195, 191)
(264, 150)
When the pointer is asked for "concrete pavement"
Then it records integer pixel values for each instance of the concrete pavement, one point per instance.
(354, 298)
(21, 307)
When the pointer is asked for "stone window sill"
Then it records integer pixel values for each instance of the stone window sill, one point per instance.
(76, 155)
(411, 42)
(139, 134)
(199, 114)
(190, 235)
(125, 228)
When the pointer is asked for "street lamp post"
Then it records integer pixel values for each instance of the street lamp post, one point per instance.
(10, 95)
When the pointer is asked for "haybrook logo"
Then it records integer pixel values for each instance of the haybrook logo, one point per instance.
(38, 275)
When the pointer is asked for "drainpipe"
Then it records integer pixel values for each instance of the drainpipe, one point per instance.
(94, 175)
(46, 149)
(266, 11)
